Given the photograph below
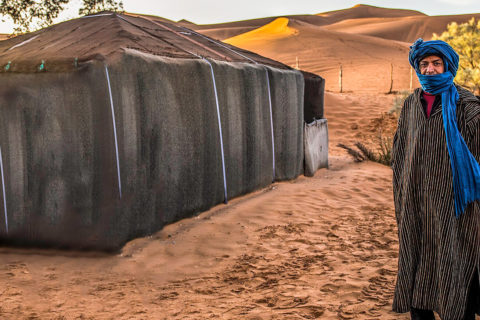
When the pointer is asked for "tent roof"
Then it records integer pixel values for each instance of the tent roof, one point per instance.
(104, 36)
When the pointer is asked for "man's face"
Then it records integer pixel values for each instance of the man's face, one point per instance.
(431, 65)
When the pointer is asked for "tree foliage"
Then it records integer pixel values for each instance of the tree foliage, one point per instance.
(93, 6)
(465, 39)
(29, 15)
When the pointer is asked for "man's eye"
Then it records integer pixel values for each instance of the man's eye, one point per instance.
(437, 64)
(423, 65)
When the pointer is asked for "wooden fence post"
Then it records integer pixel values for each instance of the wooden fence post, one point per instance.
(391, 78)
(340, 75)
(411, 78)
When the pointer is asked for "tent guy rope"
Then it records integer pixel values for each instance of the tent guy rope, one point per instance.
(114, 132)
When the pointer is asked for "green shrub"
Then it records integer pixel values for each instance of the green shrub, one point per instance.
(398, 103)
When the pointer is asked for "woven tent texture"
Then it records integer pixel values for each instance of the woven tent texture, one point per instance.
(114, 125)
(314, 97)
(105, 36)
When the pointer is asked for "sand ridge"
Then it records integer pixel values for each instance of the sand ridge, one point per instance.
(278, 28)
(366, 61)
(393, 24)
(406, 29)
(364, 11)
(229, 29)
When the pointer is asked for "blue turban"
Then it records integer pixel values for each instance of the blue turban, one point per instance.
(465, 168)
(421, 49)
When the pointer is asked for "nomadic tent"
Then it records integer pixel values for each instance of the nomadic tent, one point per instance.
(114, 125)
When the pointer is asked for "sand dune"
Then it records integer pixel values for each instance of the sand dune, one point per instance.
(224, 33)
(275, 30)
(347, 19)
(227, 30)
(406, 29)
(366, 61)
(365, 40)
(366, 11)
(230, 29)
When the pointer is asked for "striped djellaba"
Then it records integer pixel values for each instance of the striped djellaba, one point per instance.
(438, 253)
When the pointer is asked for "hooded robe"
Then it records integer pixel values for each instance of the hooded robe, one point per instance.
(438, 252)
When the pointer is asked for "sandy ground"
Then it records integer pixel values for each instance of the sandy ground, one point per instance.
(313, 248)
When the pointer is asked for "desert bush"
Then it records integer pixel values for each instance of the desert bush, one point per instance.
(382, 155)
(465, 39)
(357, 156)
(377, 148)
(398, 103)
(36, 14)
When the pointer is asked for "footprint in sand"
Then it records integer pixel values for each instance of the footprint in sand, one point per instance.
(379, 290)
(353, 310)
(18, 270)
(329, 287)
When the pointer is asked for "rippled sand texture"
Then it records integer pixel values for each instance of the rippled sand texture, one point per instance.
(323, 247)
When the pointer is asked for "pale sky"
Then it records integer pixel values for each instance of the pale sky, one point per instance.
(215, 11)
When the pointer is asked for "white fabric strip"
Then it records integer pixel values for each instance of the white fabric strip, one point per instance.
(98, 15)
(220, 131)
(3, 187)
(114, 132)
(271, 124)
(23, 42)
(221, 45)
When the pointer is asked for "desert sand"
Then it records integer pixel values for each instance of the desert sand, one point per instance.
(369, 44)
(366, 61)
(314, 248)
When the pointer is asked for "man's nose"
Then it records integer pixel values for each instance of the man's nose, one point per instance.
(430, 67)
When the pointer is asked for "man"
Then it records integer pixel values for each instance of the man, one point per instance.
(436, 184)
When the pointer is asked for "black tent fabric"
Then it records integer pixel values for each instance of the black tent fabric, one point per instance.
(314, 97)
(103, 145)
